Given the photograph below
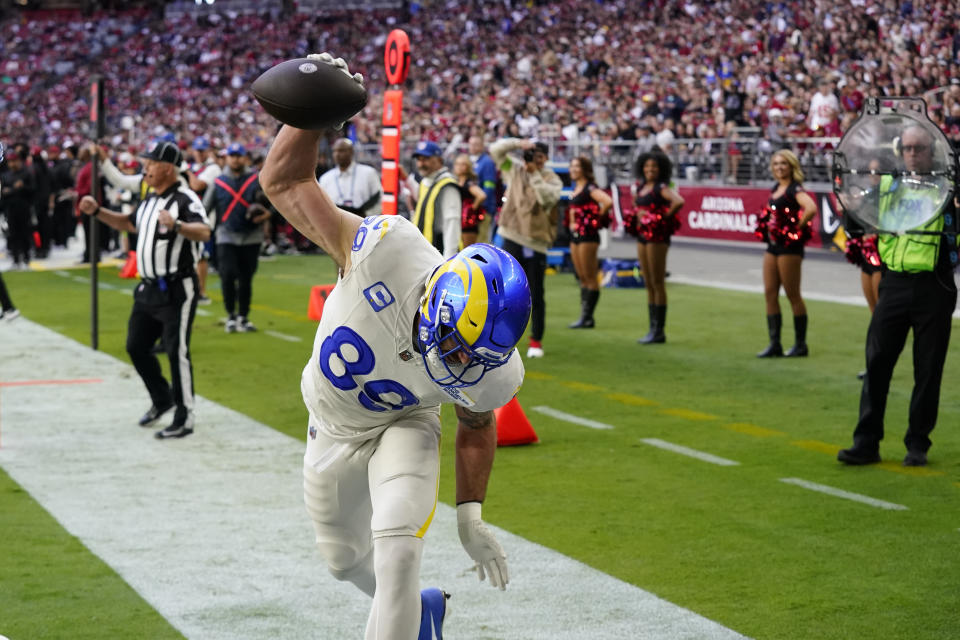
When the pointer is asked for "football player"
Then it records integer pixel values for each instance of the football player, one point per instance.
(402, 332)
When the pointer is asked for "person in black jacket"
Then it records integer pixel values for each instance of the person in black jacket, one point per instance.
(42, 200)
(17, 205)
(7, 310)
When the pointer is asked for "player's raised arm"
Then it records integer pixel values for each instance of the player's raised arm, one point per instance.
(289, 181)
(312, 94)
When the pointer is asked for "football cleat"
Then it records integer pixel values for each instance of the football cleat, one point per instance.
(177, 429)
(433, 609)
(476, 303)
(153, 414)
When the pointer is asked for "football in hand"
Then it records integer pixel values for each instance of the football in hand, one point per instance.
(310, 93)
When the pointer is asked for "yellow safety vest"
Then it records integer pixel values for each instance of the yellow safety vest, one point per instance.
(907, 252)
(424, 215)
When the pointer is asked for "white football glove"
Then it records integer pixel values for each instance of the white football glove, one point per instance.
(341, 64)
(481, 545)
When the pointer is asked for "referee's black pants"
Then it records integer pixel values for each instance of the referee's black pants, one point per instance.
(923, 302)
(168, 313)
(237, 264)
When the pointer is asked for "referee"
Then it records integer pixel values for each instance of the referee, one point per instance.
(170, 224)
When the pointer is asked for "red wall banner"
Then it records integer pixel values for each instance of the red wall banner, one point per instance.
(730, 213)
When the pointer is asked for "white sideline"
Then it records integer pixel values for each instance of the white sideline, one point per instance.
(847, 495)
(687, 451)
(569, 417)
(212, 532)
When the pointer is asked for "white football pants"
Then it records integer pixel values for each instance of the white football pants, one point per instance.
(371, 502)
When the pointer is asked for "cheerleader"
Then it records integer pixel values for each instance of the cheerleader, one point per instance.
(785, 226)
(472, 197)
(586, 215)
(653, 223)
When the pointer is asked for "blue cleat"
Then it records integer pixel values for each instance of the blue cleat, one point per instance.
(433, 603)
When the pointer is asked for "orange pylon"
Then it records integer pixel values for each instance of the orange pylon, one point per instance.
(513, 427)
(318, 295)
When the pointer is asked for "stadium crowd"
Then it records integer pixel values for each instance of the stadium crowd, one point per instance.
(583, 72)
(567, 70)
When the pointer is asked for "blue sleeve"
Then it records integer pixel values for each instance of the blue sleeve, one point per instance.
(487, 176)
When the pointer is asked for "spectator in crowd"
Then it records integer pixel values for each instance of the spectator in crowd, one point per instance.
(472, 198)
(16, 204)
(569, 79)
(917, 292)
(785, 227)
(64, 181)
(372, 460)
(528, 219)
(127, 187)
(438, 202)
(776, 131)
(487, 177)
(355, 187)
(172, 224)
(587, 214)
(85, 187)
(42, 200)
(7, 310)
(241, 210)
(200, 175)
(655, 221)
(824, 106)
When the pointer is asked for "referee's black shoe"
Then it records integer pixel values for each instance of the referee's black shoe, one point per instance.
(178, 429)
(153, 414)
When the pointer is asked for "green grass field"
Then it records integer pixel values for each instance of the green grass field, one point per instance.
(735, 544)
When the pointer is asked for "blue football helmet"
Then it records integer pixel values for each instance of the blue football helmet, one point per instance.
(476, 303)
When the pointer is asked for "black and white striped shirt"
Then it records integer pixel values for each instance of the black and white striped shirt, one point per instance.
(161, 252)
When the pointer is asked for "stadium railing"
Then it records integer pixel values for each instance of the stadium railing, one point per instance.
(741, 160)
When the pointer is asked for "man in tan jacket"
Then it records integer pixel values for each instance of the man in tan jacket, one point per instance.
(528, 219)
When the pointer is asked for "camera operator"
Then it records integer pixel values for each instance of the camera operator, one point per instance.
(528, 219)
(917, 291)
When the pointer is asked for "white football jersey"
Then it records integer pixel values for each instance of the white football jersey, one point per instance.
(365, 373)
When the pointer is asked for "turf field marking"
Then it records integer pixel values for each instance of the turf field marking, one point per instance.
(283, 313)
(103, 286)
(560, 415)
(630, 399)
(283, 336)
(28, 383)
(816, 445)
(749, 288)
(538, 375)
(244, 564)
(896, 467)
(687, 414)
(582, 386)
(749, 429)
(108, 262)
(692, 453)
(847, 495)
